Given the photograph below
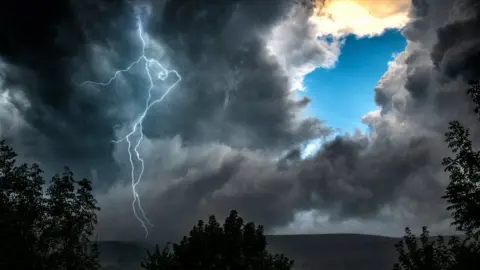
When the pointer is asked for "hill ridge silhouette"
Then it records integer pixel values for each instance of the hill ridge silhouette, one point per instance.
(338, 251)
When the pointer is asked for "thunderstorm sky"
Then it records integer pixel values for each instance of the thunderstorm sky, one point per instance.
(305, 118)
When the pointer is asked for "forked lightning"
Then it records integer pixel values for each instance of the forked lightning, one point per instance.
(162, 74)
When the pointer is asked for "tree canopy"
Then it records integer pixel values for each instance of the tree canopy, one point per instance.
(236, 246)
(44, 226)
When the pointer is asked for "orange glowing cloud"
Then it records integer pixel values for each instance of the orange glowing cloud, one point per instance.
(359, 17)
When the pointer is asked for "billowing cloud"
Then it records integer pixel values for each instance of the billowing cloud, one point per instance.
(215, 143)
(233, 92)
(298, 48)
(359, 17)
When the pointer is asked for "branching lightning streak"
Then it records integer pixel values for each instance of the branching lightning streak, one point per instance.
(137, 125)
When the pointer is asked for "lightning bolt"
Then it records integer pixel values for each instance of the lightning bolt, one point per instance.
(162, 74)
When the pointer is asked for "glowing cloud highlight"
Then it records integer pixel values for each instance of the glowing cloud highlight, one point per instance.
(359, 17)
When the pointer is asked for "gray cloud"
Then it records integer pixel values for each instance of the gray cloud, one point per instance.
(215, 143)
(218, 48)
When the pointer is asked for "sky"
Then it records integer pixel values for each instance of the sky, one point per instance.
(222, 98)
(342, 95)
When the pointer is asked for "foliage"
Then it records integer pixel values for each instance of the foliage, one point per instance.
(44, 227)
(463, 197)
(235, 246)
(424, 253)
(463, 191)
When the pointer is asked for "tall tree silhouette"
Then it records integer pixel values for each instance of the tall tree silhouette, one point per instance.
(463, 191)
(44, 226)
(463, 197)
(234, 246)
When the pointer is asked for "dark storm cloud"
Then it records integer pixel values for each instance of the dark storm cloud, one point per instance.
(428, 80)
(394, 175)
(345, 179)
(458, 49)
(44, 45)
(235, 102)
(231, 82)
(232, 90)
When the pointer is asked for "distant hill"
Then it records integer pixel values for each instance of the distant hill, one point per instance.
(337, 251)
(323, 251)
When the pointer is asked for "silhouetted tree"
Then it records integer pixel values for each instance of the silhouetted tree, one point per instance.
(234, 246)
(463, 197)
(424, 253)
(463, 191)
(44, 227)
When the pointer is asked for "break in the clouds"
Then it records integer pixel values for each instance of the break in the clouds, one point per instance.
(307, 39)
(214, 143)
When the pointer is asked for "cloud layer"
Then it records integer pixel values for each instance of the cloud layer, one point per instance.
(230, 135)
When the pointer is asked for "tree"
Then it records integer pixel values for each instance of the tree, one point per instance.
(234, 246)
(463, 197)
(463, 191)
(424, 253)
(44, 227)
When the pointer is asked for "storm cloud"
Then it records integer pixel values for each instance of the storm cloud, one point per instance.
(228, 136)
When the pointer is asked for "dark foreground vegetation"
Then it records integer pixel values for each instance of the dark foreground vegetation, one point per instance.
(51, 225)
(319, 251)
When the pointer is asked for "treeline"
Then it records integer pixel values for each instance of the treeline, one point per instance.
(50, 226)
